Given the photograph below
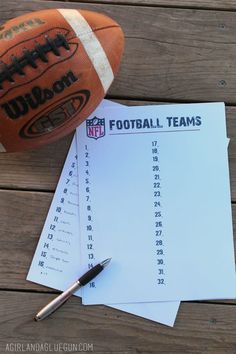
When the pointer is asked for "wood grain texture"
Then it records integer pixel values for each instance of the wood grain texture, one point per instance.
(37, 169)
(228, 5)
(200, 328)
(170, 54)
(22, 219)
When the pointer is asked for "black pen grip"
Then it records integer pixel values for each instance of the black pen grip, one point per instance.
(91, 274)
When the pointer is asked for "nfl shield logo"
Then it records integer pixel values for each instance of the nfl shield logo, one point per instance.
(95, 127)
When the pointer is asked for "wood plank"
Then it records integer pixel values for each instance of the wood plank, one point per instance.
(36, 169)
(22, 219)
(195, 4)
(40, 169)
(176, 54)
(200, 328)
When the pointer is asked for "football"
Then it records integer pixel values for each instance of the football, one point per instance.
(55, 68)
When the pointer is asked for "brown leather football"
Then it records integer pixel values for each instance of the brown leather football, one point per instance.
(56, 67)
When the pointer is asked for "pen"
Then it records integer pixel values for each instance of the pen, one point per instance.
(59, 300)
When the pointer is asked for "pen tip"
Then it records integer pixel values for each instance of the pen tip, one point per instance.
(105, 262)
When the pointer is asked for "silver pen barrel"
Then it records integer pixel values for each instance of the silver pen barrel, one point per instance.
(57, 302)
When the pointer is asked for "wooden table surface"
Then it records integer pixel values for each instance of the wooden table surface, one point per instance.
(176, 51)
